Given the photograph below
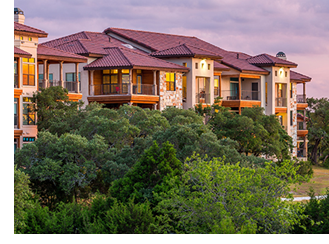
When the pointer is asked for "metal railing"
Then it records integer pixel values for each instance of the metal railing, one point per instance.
(301, 126)
(250, 95)
(144, 89)
(69, 85)
(230, 95)
(15, 81)
(280, 102)
(108, 89)
(301, 98)
(202, 98)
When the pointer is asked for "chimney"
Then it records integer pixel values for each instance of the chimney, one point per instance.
(19, 16)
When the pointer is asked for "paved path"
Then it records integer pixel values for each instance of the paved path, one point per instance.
(303, 198)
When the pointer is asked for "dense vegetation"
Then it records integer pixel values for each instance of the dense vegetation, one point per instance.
(97, 170)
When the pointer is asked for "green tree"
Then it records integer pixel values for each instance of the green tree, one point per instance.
(148, 174)
(22, 198)
(53, 104)
(318, 128)
(212, 195)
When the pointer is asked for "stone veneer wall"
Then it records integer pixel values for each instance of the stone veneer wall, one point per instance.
(171, 98)
(293, 108)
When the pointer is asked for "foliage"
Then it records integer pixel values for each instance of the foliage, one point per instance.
(22, 198)
(53, 104)
(60, 167)
(318, 128)
(317, 211)
(148, 174)
(212, 194)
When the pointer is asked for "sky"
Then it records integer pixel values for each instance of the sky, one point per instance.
(300, 28)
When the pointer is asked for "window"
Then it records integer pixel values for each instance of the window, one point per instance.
(30, 39)
(15, 112)
(184, 86)
(286, 74)
(266, 93)
(291, 90)
(291, 118)
(208, 66)
(276, 73)
(170, 79)
(28, 114)
(196, 65)
(70, 77)
(28, 71)
(15, 73)
(202, 65)
(216, 91)
(110, 81)
(70, 83)
(21, 38)
(125, 80)
(185, 64)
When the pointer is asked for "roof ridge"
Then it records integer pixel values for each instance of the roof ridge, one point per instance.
(202, 49)
(142, 54)
(124, 55)
(61, 50)
(163, 50)
(83, 46)
(149, 32)
(60, 38)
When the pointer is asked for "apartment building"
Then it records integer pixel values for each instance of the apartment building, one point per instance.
(28, 53)
(158, 70)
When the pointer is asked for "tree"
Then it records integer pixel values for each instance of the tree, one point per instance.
(148, 174)
(53, 104)
(318, 127)
(22, 198)
(212, 194)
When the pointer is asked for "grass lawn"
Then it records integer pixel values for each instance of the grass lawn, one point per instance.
(319, 182)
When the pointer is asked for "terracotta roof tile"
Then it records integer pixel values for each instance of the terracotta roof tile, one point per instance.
(266, 59)
(219, 66)
(240, 55)
(160, 41)
(299, 77)
(123, 57)
(48, 51)
(21, 52)
(28, 29)
(185, 50)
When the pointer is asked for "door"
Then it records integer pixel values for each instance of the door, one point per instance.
(234, 91)
(254, 91)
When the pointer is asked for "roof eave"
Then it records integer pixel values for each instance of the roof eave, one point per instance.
(61, 58)
(108, 67)
(20, 55)
(32, 34)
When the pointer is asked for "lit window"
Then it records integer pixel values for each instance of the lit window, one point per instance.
(21, 38)
(170, 79)
(185, 64)
(196, 65)
(208, 66)
(125, 71)
(30, 39)
(276, 73)
(28, 71)
(28, 114)
(139, 71)
(202, 65)
(184, 87)
(266, 93)
(114, 71)
(216, 91)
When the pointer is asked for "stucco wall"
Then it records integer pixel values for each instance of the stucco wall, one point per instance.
(171, 98)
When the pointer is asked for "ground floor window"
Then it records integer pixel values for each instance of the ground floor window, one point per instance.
(170, 80)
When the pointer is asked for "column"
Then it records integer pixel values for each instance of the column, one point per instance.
(304, 92)
(240, 87)
(45, 80)
(130, 86)
(155, 82)
(77, 90)
(61, 81)
(92, 91)
(155, 106)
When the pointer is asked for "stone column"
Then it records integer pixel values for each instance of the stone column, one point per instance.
(155, 82)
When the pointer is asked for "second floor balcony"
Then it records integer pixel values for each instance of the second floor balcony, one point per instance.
(123, 89)
(281, 102)
(245, 95)
(202, 97)
(71, 86)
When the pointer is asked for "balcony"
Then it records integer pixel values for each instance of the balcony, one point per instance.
(281, 102)
(69, 85)
(202, 98)
(245, 95)
(144, 89)
(301, 102)
(110, 89)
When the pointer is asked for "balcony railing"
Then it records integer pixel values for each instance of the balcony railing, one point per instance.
(69, 85)
(110, 89)
(281, 102)
(301, 152)
(202, 98)
(15, 81)
(144, 89)
(245, 95)
(301, 98)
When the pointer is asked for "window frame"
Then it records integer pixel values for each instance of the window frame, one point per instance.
(171, 85)
(28, 75)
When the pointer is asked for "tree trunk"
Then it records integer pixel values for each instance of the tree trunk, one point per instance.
(315, 152)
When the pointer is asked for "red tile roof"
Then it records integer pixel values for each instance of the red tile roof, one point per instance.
(119, 57)
(240, 55)
(20, 52)
(160, 41)
(220, 67)
(85, 43)
(269, 60)
(297, 77)
(185, 50)
(53, 52)
(28, 29)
